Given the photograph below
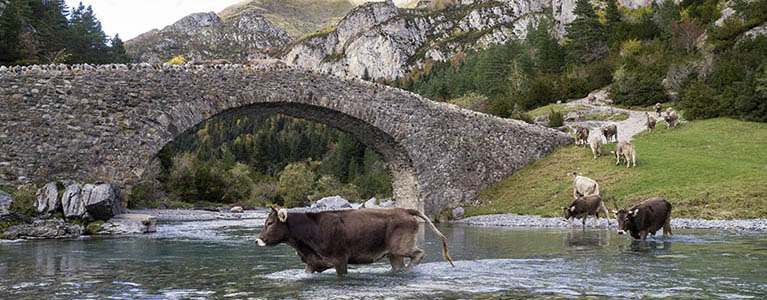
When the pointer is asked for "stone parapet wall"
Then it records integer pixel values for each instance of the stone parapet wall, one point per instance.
(108, 122)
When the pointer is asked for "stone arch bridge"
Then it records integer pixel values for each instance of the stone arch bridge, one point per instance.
(108, 123)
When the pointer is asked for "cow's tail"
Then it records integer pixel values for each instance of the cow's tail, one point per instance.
(434, 228)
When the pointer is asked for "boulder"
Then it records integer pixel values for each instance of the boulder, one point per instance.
(572, 116)
(356, 205)
(458, 213)
(48, 200)
(102, 201)
(334, 202)
(129, 224)
(72, 201)
(370, 203)
(44, 229)
(236, 209)
(5, 202)
(387, 204)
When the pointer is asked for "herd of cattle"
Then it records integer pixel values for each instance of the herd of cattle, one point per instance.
(334, 239)
(646, 217)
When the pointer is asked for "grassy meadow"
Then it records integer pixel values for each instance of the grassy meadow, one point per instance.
(711, 169)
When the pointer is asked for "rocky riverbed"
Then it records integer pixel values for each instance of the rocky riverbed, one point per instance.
(188, 215)
(514, 220)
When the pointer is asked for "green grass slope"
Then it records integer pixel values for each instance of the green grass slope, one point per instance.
(713, 169)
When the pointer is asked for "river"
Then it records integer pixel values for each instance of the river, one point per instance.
(218, 259)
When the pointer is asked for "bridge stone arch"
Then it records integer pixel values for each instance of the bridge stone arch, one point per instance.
(109, 122)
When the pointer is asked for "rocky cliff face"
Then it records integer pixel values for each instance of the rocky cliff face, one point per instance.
(384, 41)
(203, 36)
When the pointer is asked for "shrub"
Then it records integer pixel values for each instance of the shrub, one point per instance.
(261, 194)
(178, 60)
(24, 202)
(637, 88)
(295, 183)
(472, 101)
(556, 119)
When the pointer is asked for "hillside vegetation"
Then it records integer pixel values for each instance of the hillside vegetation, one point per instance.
(296, 17)
(711, 169)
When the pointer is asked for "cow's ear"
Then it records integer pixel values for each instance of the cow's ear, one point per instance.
(275, 208)
(282, 215)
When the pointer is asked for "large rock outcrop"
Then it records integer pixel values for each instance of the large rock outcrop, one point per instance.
(102, 201)
(204, 36)
(72, 201)
(44, 229)
(48, 200)
(381, 40)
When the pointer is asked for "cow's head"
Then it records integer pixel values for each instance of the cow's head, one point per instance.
(567, 212)
(275, 228)
(624, 218)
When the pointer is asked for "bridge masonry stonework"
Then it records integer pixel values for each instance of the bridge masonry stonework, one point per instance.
(107, 123)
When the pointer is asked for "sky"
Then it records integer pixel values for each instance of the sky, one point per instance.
(129, 18)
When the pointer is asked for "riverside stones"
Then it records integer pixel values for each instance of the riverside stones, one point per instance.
(72, 202)
(48, 200)
(334, 202)
(44, 229)
(102, 201)
(130, 224)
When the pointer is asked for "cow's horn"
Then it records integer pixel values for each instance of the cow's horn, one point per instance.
(282, 215)
(572, 208)
(615, 212)
(634, 212)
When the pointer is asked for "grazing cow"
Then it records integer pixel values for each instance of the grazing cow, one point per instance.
(610, 132)
(581, 135)
(628, 152)
(596, 147)
(584, 186)
(647, 217)
(211, 62)
(584, 207)
(658, 108)
(334, 239)
(650, 122)
(671, 119)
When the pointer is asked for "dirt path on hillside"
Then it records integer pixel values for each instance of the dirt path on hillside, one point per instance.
(627, 129)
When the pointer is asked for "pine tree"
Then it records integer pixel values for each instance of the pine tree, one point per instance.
(12, 28)
(549, 55)
(612, 14)
(586, 34)
(117, 51)
(87, 41)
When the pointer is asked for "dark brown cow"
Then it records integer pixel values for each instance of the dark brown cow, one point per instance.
(610, 132)
(581, 135)
(658, 108)
(333, 239)
(584, 207)
(647, 217)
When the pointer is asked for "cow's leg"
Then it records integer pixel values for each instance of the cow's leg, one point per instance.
(584, 221)
(607, 215)
(308, 269)
(570, 222)
(643, 235)
(397, 262)
(667, 226)
(341, 267)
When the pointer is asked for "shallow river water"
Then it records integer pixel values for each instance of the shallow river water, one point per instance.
(219, 260)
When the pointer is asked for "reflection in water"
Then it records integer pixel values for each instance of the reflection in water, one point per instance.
(218, 259)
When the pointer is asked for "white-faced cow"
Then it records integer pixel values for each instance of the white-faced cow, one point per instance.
(584, 207)
(650, 122)
(647, 217)
(658, 108)
(610, 132)
(334, 239)
(584, 186)
(596, 146)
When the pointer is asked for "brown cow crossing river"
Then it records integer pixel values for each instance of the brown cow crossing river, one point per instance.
(334, 239)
